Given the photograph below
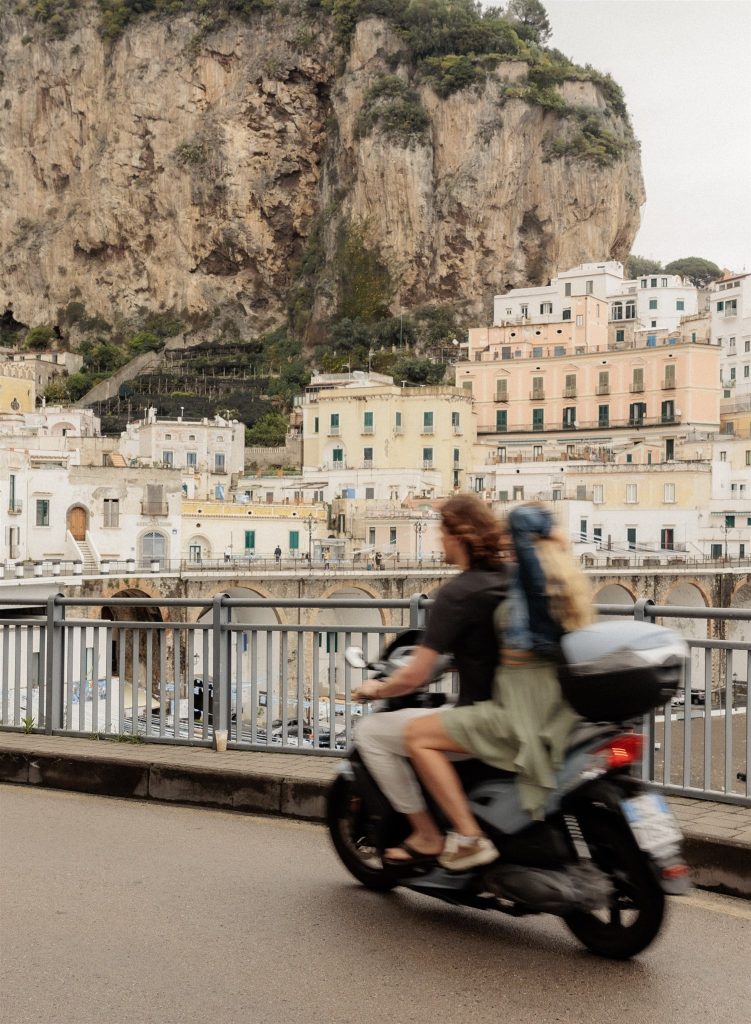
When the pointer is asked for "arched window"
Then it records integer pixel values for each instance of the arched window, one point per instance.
(616, 311)
(153, 547)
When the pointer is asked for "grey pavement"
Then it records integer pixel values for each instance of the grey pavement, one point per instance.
(116, 911)
(718, 835)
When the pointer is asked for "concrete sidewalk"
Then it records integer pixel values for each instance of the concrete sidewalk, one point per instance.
(718, 836)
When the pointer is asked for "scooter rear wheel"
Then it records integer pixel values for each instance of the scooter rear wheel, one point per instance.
(637, 908)
(345, 818)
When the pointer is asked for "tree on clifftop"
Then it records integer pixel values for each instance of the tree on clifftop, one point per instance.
(532, 19)
(638, 265)
(699, 271)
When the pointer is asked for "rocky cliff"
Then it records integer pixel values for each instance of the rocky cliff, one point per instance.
(183, 169)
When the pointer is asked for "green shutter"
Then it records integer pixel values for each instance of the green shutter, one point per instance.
(501, 420)
(294, 540)
(250, 540)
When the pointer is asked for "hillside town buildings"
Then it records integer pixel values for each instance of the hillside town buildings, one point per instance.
(632, 419)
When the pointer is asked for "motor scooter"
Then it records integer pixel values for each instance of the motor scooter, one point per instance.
(608, 849)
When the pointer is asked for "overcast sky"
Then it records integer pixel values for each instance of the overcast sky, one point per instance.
(684, 66)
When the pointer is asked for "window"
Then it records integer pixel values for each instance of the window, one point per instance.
(569, 390)
(371, 535)
(457, 456)
(643, 283)
(168, 437)
(567, 288)
(653, 303)
(637, 380)
(537, 452)
(427, 458)
(369, 493)
(746, 372)
(716, 551)
(566, 315)
(538, 419)
(501, 420)
(479, 483)
(569, 417)
(723, 456)
(537, 352)
(367, 457)
(631, 537)
(111, 512)
(167, 458)
(250, 540)
(538, 387)
(218, 462)
(669, 449)
(367, 423)
(524, 310)
(501, 452)
(636, 413)
(467, 385)
(653, 282)
(518, 493)
(630, 310)
(664, 282)
(392, 535)
(501, 390)
(294, 540)
(667, 412)
(669, 381)
(748, 457)
(730, 522)
(668, 494)
(603, 415)
(583, 531)
(455, 422)
(427, 423)
(191, 437)
(620, 335)
(334, 423)
(747, 345)
(315, 424)
(667, 538)
(191, 459)
(546, 308)
(590, 287)
(43, 512)
(397, 423)
(337, 456)
(616, 311)
(579, 320)
(680, 305)
(559, 350)
(598, 494)
(603, 382)
(632, 494)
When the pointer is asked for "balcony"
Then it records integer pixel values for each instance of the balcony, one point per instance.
(334, 431)
(367, 463)
(667, 417)
(602, 389)
(15, 507)
(569, 392)
(636, 389)
(501, 396)
(368, 430)
(154, 508)
(668, 385)
(398, 430)
(427, 432)
(537, 395)
(456, 431)
(427, 463)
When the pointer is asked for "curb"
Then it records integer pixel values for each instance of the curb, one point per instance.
(231, 791)
(721, 865)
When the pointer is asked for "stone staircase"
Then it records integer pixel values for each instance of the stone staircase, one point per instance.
(90, 563)
(117, 459)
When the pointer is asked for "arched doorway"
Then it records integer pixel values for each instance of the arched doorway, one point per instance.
(153, 547)
(78, 520)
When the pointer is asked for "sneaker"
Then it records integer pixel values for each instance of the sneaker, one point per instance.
(464, 852)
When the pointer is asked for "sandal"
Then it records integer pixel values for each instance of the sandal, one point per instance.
(415, 858)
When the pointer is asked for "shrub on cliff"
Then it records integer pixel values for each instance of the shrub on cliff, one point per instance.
(391, 107)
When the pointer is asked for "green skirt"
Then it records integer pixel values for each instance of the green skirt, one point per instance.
(524, 729)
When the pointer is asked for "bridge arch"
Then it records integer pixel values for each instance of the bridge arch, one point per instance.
(129, 648)
(613, 593)
(689, 594)
(740, 632)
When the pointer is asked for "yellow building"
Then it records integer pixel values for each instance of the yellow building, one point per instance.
(368, 437)
(17, 391)
(227, 531)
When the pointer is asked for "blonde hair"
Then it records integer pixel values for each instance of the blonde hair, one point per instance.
(568, 591)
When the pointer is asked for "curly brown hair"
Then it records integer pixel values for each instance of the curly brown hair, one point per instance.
(474, 525)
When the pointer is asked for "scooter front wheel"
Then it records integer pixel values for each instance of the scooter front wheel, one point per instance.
(346, 818)
(637, 907)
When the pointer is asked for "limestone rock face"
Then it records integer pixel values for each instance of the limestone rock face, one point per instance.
(174, 170)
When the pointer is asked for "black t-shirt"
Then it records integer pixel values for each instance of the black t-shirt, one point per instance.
(461, 624)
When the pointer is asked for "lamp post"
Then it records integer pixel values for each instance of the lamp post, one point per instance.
(309, 523)
(419, 530)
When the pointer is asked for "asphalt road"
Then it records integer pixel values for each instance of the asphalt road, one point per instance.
(118, 911)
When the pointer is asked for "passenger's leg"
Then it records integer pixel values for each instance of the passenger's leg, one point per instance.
(427, 744)
(380, 740)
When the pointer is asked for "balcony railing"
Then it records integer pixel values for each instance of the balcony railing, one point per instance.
(367, 430)
(367, 463)
(427, 463)
(636, 389)
(334, 431)
(602, 389)
(501, 396)
(537, 395)
(456, 431)
(668, 385)
(154, 508)
(15, 507)
(569, 392)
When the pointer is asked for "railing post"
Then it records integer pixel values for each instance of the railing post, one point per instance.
(222, 714)
(416, 613)
(53, 676)
(648, 757)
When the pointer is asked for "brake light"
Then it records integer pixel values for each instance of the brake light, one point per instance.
(622, 751)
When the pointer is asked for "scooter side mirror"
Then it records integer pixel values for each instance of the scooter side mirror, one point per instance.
(355, 657)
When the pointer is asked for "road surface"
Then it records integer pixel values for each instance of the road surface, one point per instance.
(119, 911)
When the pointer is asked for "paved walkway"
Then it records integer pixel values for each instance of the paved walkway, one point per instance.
(718, 836)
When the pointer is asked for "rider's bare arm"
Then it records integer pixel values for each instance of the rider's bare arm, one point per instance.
(414, 675)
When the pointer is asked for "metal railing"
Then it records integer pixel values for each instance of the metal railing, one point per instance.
(273, 674)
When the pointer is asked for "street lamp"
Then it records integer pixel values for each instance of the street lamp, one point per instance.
(419, 530)
(309, 524)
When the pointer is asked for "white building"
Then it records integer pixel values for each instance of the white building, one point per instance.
(231, 531)
(652, 302)
(730, 312)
